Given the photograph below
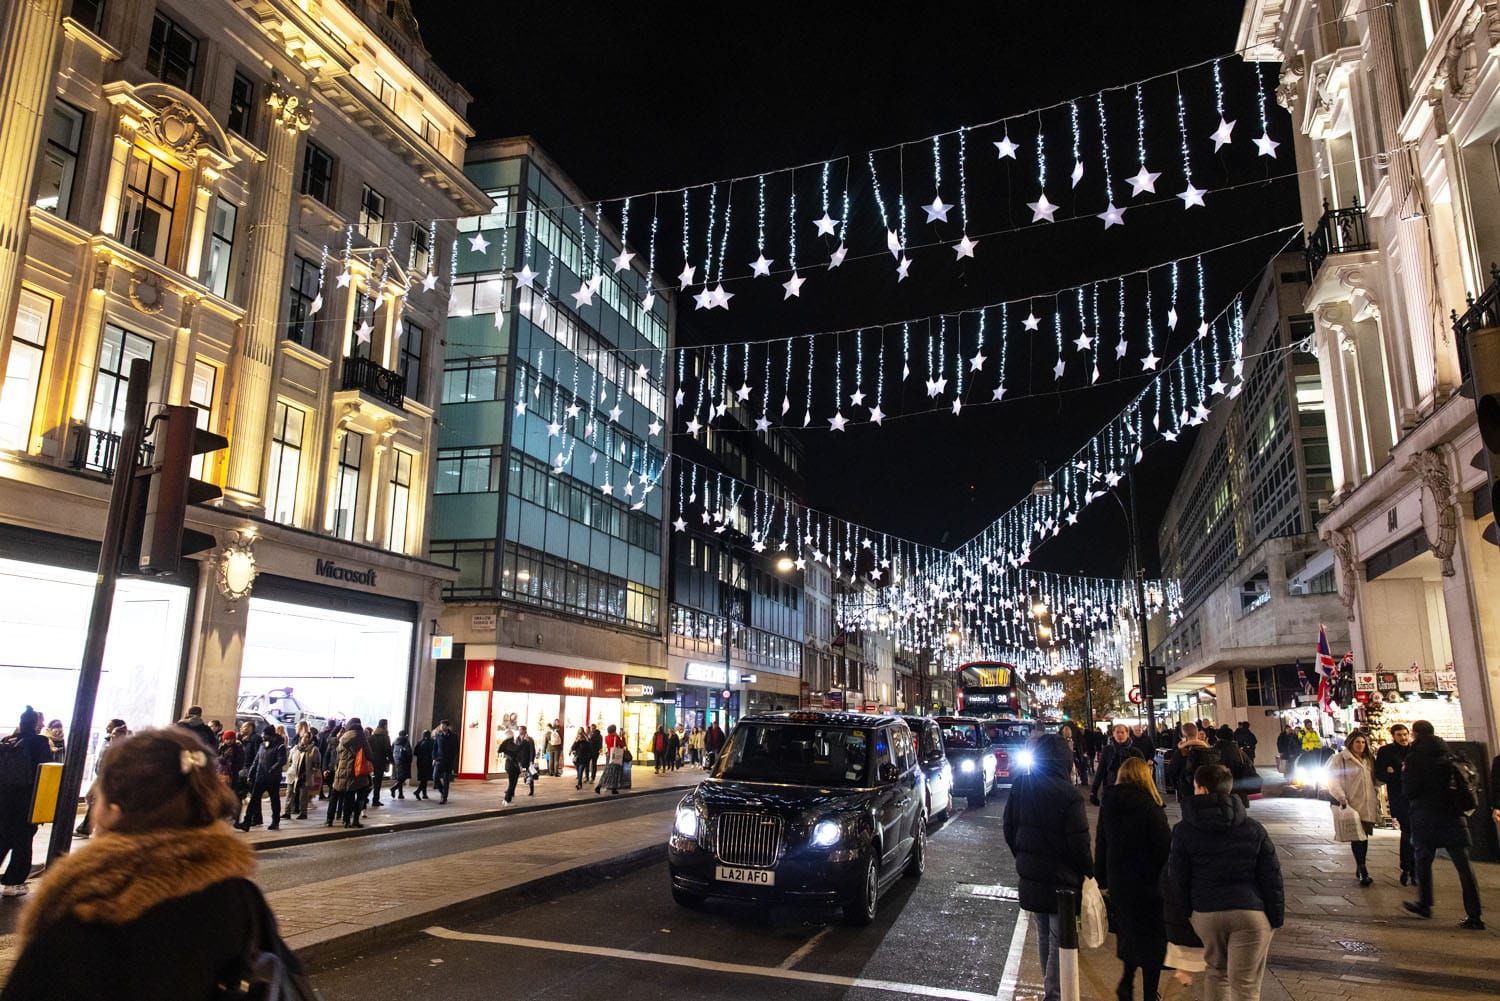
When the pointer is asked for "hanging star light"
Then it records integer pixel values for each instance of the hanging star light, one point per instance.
(654, 428)
(743, 393)
(572, 410)
(1216, 388)
(1120, 348)
(1077, 174)
(826, 225)
(316, 304)
(1192, 196)
(344, 279)
(614, 413)
(977, 362)
(837, 257)
(1112, 216)
(876, 415)
(793, 286)
(623, 260)
(762, 424)
(693, 427)
(1266, 146)
(429, 281)
(935, 387)
(957, 406)
(686, 278)
(1223, 134)
(608, 489)
(721, 297)
(937, 211)
(1032, 322)
(893, 243)
(704, 299)
(999, 393)
(1042, 210)
(761, 267)
(363, 331)
(1005, 149)
(857, 398)
(903, 270)
(1084, 342)
(521, 408)
(1144, 180)
(525, 276)
(964, 248)
(554, 429)
(837, 421)
(1058, 369)
(478, 243)
(585, 296)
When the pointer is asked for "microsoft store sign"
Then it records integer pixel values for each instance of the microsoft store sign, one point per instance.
(345, 575)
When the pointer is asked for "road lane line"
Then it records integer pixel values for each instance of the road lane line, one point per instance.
(1013, 957)
(663, 959)
(802, 950)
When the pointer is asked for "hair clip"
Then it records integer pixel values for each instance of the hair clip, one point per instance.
(192, 759)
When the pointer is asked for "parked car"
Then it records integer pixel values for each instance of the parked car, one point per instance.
(937, 772)
(970, 756)
(1008, 739)
(809, 806)
(276, 706)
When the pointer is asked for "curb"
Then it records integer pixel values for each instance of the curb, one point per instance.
(340, 834)
(330, 952)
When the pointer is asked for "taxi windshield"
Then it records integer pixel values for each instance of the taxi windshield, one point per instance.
(797, 754)
(1008, 733)
(960, 735)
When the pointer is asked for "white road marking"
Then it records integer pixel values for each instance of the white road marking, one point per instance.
(1013, 957)
(803, 950)
(742, 969)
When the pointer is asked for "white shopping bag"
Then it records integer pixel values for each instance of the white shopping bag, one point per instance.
(1093, 921)
(1347, 826)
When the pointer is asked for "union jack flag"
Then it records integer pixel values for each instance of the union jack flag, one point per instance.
(1325, 656)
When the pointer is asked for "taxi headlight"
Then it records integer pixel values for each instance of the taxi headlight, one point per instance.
(826, 833)
(967, 766)
(686, 825)
(1024, 758)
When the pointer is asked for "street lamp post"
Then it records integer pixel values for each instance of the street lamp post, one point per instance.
(1088, 681)
(1138, 572)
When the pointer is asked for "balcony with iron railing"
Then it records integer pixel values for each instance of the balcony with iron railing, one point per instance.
(1483, 312)
(1339, 231)
(95, 450)
(381, 384)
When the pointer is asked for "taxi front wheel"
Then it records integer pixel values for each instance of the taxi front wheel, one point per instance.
(860, 910)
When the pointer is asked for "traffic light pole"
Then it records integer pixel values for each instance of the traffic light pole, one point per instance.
(127, 458)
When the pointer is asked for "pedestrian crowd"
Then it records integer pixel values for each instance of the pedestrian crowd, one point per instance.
(1206, 895)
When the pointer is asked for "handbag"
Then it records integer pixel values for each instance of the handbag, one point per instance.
(1093, 920)
(1347, 825)
(264, 973)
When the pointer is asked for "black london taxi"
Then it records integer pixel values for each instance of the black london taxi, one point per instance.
(810, 806)
(933, 761)
(970, 757)
(1008, 739)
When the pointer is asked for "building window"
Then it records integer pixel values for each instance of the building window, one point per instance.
(221, 247)
(346, 502)
(471, 380)
(432, 134)
(286, 463)
(23, 370)
(301, 322)
(467, 470)
(400, 499)
(371, 213)
(172, 55)
(201, 395)
(386, 91)
(411, 359)
(89, 13)
(317, 173)
(421, 250)
(117, 349)
(64, 132)
(364, 320)
(150, 197)
(242, 106)
(477, 293)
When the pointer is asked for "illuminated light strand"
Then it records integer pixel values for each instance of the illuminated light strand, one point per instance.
(1182, 136)
(1109, 184)
(760, 214)
(687, 255)
(1077, 143)
(791, 237)
(963, 179)
(1140, 127)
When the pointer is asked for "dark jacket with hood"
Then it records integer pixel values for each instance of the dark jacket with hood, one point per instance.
(180, 901)
(1047, 828)
(401, 759)
(1189, 756)
(1434, 822)
(1130, 851)
(380, 749)
(423, 753)
(1115, 755)
(1390, 763)
(444, 752)
(270, 762)
(1222, 860)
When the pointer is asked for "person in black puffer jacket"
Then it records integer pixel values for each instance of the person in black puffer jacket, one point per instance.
(1223, 866)
(1119, 748)
(1047, 830)
(1130, 849)
(1436, 823)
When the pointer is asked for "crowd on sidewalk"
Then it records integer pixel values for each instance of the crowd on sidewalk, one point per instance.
(1206, 895)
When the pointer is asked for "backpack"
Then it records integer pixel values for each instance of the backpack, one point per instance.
(1459, 784)
(16, 767)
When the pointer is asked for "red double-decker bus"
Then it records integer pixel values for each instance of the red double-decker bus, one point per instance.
(992, 688)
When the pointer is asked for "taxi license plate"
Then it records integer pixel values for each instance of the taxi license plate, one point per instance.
(1002, 773)
(735, 874)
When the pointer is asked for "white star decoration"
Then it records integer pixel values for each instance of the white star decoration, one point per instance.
(1112, 216)
(704, 299)
(837, 421)
(964, 247)
(1005, 149)
(1041, 209)
(1266, 146)
(1145, 180)
(686, 278)
(903, 270)
(608, 490)
(957, 406)
(680, 524)
(762, 424)
(761, 267)
(977, 362)
(826, 224)
(693, 427)
(525, 276)
(937, 211)
(1058, 369)
(1121, 348)
(363, 331)
(1084, 342)
(521, 409)
(654, 428)
(857, 398)
(343, 279)
(999, 393)
(1172, 318)
(584, 296)
(743, 393)
(1032, 322)
(429, 281)
(478, 243)
(793, 287)
(935, 387)
(315, 305)
(1192, 196)
(893, 243)
(876, 415)
(837, 257)
(1077, 174)
(572, 410)
(614, 413)
(554, 429)
(1216, 388)
(1223, 134)
(623, 261)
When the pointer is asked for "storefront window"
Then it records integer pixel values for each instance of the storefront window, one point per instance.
(335, 664)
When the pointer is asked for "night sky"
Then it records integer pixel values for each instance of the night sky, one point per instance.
(631, 98)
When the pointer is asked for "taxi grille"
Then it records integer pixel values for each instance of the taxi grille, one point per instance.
(748, 839)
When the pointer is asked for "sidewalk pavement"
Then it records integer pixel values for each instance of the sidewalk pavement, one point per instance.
(315, 920)
(1340, 942)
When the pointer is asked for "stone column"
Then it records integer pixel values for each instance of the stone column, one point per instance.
(114, 181)
(264, 279)
(29, 39)
(1469, 600)
(217, 648)
(198, 222)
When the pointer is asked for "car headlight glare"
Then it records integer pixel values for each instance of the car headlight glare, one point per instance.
(686, 825)
(1024, 758)
(967, 767)
(826, 833)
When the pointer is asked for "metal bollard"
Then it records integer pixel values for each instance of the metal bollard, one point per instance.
(1067, 944)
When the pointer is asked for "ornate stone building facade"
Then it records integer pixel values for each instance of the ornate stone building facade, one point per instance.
(256, 196)
(1398, 111)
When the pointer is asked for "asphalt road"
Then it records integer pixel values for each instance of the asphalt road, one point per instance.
(299, 865)
(948, 935)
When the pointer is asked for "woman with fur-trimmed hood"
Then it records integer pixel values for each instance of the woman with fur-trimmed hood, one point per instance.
(163, 880)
